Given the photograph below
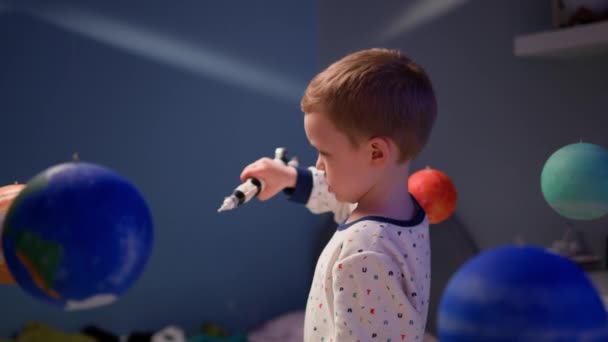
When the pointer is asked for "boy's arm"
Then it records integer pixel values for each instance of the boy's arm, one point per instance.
(371, 302)
(312, 190)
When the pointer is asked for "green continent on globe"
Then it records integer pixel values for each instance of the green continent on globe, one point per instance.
(40, 257)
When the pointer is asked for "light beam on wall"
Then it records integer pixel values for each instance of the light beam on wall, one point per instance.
(190, 57)
(417, 14)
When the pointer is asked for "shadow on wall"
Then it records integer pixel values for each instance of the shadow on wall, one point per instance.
(451, 247)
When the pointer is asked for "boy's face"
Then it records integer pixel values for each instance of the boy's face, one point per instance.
(347, 168)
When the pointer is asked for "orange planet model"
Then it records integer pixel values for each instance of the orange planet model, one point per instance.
(7, 195)
(435, 192)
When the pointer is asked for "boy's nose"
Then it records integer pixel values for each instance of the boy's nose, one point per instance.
(319, 165)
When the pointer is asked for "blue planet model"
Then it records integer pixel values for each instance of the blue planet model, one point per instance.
(521, 293)
(78, 236)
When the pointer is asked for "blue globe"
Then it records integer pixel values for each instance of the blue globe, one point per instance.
(574, 181)
(521, 293)
(77, 236)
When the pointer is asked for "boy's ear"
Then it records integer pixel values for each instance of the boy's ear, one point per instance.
(379, 148)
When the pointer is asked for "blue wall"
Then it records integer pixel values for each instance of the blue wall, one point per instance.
(500, 116)
(178, 97)
(170, 96)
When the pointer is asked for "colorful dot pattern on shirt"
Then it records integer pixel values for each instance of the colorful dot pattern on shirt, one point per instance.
(371, 282)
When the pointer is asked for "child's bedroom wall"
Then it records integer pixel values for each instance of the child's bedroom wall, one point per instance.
(177, 97)
(500, 116)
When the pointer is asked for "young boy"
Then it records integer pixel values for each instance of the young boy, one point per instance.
(368, 115)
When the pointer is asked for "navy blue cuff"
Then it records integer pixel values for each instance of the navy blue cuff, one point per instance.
(301, 193)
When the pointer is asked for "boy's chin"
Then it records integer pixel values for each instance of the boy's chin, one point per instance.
(342, 199)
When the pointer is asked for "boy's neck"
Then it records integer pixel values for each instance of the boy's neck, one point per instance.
(388, 198)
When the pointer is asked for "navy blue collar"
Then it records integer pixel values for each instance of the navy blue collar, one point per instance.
(416, 220)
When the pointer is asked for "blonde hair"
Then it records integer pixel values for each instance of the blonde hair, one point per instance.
(376, 92)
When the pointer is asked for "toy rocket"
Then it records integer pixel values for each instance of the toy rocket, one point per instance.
(253, 186)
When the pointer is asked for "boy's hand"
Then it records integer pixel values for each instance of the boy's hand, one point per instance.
(275, 176)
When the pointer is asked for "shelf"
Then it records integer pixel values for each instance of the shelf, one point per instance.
(583, 40)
